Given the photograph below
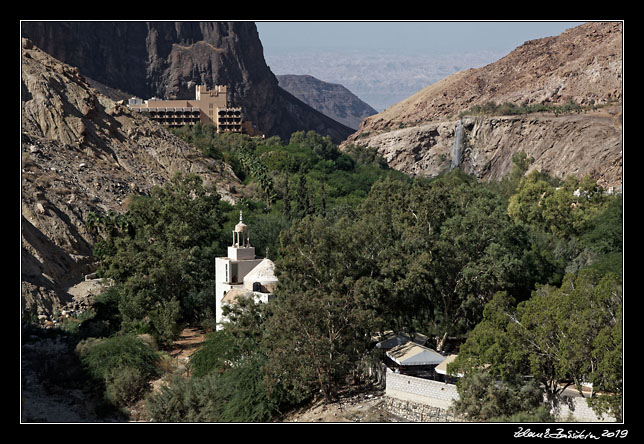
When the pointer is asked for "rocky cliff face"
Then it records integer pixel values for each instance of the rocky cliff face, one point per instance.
(588, 144)
(583, 64)
(167, 59)
(82, 152)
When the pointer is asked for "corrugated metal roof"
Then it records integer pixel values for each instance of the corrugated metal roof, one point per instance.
(414, 354)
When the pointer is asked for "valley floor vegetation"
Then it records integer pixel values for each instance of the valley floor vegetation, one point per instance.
(522, 277)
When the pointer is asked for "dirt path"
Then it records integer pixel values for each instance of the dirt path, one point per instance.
(189, 341)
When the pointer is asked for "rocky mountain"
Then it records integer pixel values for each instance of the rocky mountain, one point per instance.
(167, 59)
(83, 152)
(582, 65)
(330, 99)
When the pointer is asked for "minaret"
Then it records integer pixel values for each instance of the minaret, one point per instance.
(230, 270)
(241, 249)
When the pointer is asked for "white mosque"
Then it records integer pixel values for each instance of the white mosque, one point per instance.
(241, 273)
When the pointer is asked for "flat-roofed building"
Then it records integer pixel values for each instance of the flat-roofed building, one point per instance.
(208, 106)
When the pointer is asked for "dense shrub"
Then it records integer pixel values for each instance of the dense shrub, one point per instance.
(124, 385)
(123, 364)
(117, 351)
(185, 400)
(238, 395)
(214, 355)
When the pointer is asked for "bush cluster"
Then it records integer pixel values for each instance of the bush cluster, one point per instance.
(123, 364)
(511, 109)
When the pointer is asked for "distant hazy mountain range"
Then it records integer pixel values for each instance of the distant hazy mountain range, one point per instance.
(332, 100)
(382, 78)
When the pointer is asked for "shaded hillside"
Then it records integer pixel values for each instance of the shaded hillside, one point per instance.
(167, 59)
(82, 152)
(583, 65)
(330, 99)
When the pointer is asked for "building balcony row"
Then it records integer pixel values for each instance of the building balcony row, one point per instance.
(160, 109)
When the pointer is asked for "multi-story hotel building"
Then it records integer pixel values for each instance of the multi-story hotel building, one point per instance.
(208, 106)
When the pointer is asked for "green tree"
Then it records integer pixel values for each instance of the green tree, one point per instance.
(318, 328)
(443, 247)
(490, 346)
(507, 186)
(320, 145)
(258, 170)
(598, 323)
(164, 259)
(604, 233)
(559, 336)
(606, 374)
(482, 398)
(303, 198)
(287, 200)
(526, 205)
(565, 210)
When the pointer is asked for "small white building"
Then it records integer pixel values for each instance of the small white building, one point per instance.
(241, 273)
(412, 354)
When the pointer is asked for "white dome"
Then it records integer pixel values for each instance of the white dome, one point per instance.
(241, 227)
(264, 272)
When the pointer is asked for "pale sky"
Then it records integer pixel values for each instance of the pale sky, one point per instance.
(406, 36)
(383, 62)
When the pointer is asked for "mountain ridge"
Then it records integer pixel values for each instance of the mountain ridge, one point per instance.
(331, 99)
(583, 66)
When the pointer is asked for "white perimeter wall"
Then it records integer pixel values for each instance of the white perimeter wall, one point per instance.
(441, 395)
(424, 391)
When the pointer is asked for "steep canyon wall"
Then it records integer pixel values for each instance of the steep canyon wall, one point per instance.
(575, 144)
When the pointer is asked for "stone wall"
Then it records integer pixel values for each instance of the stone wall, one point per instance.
(418, 412)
